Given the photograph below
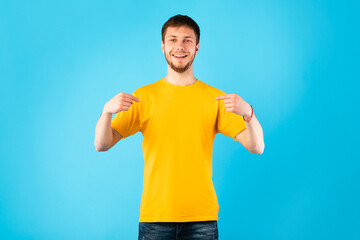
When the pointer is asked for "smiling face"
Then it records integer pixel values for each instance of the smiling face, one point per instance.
(179, 48)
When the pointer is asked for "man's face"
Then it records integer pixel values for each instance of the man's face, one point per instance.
(179, 47)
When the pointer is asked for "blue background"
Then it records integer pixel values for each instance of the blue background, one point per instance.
(296, 62)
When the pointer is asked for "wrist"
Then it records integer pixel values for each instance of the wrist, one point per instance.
(248, 116)
(105, 111)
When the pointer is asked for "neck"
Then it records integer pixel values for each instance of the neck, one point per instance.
(180, 79)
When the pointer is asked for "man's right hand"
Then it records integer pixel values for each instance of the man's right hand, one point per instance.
(121, 102)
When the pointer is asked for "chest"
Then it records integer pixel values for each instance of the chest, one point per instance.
(183, 110)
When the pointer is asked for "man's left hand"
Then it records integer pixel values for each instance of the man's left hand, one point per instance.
(234, 103)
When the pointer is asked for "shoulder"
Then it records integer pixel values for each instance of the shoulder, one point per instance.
(213, 91)
(146, 89)
(147, 92)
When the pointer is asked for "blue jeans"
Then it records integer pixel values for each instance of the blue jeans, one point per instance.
(203, 230)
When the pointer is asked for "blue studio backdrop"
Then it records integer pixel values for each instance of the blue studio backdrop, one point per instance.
(296, 62)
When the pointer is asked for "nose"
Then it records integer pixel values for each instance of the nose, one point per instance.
(180, 46)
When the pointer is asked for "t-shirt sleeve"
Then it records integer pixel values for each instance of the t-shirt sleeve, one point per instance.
(228, 123)
(128, 122)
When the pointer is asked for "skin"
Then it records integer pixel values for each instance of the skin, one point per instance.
(180, 40)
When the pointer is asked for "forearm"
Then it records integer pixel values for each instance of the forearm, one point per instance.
(254, 136)
(103, 132)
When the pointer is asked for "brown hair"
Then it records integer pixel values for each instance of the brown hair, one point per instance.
(181, 20)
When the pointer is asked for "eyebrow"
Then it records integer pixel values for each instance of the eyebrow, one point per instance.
(176, 36)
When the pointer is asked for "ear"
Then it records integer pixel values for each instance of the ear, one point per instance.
(162, 47)
(197, 48)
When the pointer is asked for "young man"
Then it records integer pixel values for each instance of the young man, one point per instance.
(178, 116)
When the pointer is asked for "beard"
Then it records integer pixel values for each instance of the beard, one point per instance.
(179, 69)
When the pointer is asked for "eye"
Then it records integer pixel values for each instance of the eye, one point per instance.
(188, 40)
(172, 40)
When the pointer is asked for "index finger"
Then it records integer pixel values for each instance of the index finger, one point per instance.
(222, 97)
(135, 98)
(132, 97)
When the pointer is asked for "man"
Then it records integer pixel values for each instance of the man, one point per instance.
(178, 116)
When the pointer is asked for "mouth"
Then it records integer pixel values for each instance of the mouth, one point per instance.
(179, 56)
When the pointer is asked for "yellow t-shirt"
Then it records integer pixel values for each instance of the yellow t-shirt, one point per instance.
(178, 124)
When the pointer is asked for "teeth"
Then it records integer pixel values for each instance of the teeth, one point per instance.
(179, 55)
